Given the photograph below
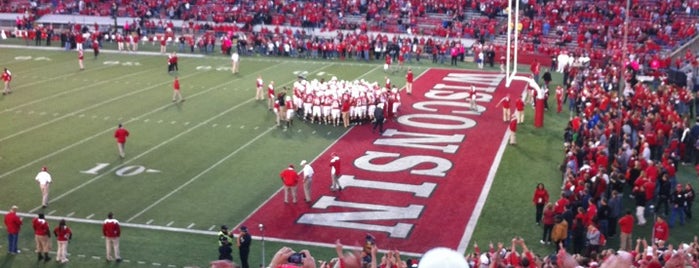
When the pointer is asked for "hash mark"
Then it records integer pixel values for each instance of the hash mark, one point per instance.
(314, 132)
(90, 216)
(96, 257)
(190, 226)
(228, 126)
(70, 214)
(173, 122)
(146, 120)
(214, 125)
(212, 227)
(149, 221)
(169, 223)
(242, 127)
(52, 211)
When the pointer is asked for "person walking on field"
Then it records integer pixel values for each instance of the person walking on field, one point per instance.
(307, 176)
(290, 179)
(112, 231)
(335, 165)
(6, 79)
(13, 224)
(81, 57)
(243, 241)
(409, 81)
(44, 180)
(235, 62)
(63, 235)
(120, 135)
(513, 130)
(176, 93)
(42, 235)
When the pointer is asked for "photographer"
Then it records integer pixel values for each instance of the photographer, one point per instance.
(287, 258)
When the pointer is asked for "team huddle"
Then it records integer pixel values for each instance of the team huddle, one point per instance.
(331, 102)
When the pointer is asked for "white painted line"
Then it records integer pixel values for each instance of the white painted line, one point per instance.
(90, 216)
(99, 104)
(257, 127)
(173, 122)
(141, 262)
(201, 173)
(299, 131)
(212, 227)
(473, 220)
(82, 256)
(156, 264)
(329, 132)
(242, 127)
(70, 214)
(314, 132)
(81, 115)
(169, 224)
(126, 260)
(149, 221)
(228, 126)
(214, 125)
(52, 211)
(96, 257)
(190, 226)
(186, 123)
(146, 120)
(171, 265)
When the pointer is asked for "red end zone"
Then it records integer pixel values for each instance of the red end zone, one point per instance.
(416, 186)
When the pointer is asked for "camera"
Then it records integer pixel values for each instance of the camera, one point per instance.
(296, 258)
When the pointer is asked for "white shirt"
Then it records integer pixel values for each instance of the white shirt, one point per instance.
(235, 57)
(43, 178)
(307, 171)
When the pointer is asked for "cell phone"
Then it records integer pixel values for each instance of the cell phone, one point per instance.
(296, 258)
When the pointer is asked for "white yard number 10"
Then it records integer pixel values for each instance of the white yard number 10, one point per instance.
(122, 171)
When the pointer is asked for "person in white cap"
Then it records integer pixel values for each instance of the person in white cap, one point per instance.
(442, 257)
(44, 179)
(307, 174)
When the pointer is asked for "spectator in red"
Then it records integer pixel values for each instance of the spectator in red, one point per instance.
(513, 130)
(335, 171)
(540, 199)
(6, 79)
(519, 110)
(661, 231)
(13, 224)
(95, 47)
(409, 81)
(176, 93)
(63, 235)
(548, 220)
(290, 179)
(626, 227)
(505, 101)
(112, 231)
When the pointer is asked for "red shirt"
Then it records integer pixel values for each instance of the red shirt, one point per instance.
(335, 165)
(661, 231)
(80, 55)
(41, 227)
(120, 134)
(12, 223)
(6, 76)
(409, 77)
(513, 125)
(541, 196)
(176, 84)
(519, 105)
(626, 224)
(111, 228)
(289, 177)
(63, 234)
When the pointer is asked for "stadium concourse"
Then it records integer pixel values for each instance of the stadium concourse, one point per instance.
(621, 142)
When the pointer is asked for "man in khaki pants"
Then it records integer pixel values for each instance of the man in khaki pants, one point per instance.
(307, 175)
(42, 233)
(112, 231)
(44, 179)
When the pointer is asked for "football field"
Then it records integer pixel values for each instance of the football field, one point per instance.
(215, 158)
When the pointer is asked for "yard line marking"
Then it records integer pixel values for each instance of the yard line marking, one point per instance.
(90, 216)
(72, 90)
(112, 129)
(156, 264)
(200, 174)
(141, 262)
(212, 166)
(214, 125)
(190, 226)
(169, 223)
(70, 214)
(149, 221)
(82, 110)
(96, 257)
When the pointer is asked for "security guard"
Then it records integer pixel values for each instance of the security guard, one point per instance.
(225, 240)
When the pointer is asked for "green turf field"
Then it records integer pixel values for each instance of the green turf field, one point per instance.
(193, 166)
